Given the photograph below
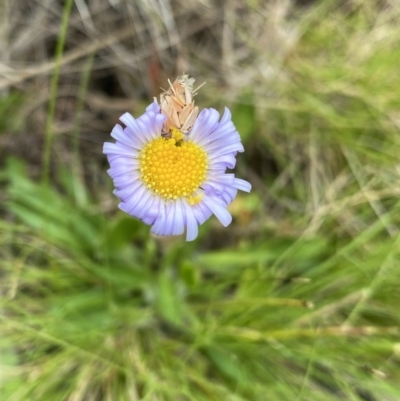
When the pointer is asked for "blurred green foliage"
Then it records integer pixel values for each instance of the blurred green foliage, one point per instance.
(94, 302)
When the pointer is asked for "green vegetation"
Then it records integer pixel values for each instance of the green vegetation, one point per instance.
(297, 300)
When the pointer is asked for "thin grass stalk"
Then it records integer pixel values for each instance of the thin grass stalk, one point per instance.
(53, 92)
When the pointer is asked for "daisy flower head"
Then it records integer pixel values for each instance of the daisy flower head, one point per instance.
(169, 165)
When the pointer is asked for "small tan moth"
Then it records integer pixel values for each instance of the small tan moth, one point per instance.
(178, 105)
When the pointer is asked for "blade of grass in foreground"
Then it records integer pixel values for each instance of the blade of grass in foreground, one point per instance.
(53, 92)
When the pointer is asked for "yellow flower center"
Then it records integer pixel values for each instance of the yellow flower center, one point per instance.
(173, 169)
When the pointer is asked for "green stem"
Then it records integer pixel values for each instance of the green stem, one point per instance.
(53, 92)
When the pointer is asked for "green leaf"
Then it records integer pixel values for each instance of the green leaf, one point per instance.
(225, 362)
(244, 118)
(168, 300)
(189, 273)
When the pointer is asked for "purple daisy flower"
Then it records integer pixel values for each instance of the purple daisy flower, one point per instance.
(172, 176)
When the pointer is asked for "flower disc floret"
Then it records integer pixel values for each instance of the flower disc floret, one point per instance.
(173, 169)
